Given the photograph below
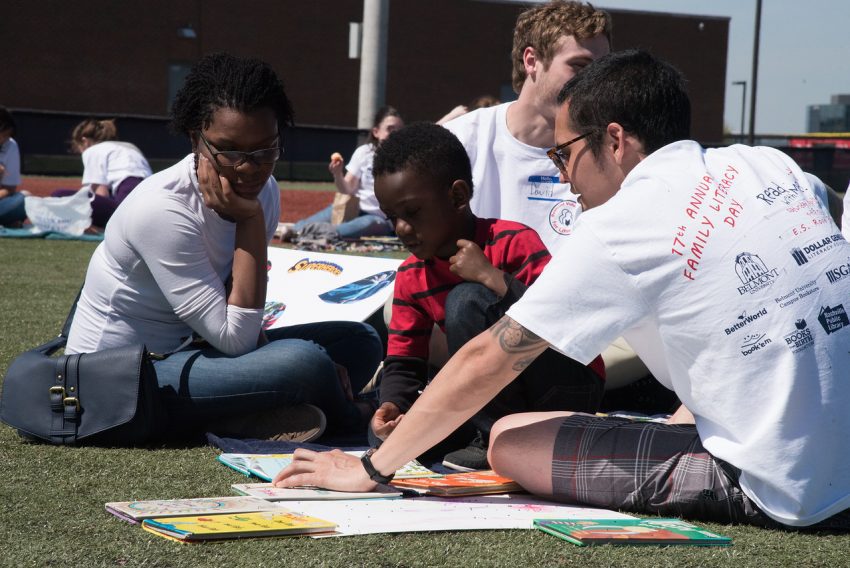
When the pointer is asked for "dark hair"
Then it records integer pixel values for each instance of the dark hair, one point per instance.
(221, 80)
(382, 113)
(6, 120)
(426, 148)
(644, 94)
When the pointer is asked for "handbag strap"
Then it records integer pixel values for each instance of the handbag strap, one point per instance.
(66, 327)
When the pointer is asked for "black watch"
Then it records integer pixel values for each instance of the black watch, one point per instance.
(373, 473)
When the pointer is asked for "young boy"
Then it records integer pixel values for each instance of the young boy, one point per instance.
(464, 273)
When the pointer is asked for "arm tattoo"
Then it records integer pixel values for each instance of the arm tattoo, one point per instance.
(513, 338)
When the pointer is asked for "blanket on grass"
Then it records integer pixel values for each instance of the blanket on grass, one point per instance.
(33, 233)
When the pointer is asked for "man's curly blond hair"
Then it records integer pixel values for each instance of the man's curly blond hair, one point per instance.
(542, 26)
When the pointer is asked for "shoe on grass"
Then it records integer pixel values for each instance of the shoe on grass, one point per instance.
(471, 458)
(298, 423)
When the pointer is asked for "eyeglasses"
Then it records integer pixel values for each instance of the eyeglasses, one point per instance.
(235, 158)
(558, 156)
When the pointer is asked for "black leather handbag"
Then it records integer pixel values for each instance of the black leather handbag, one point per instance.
(108, 397)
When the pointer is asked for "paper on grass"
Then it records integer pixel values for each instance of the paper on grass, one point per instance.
(507, 511)
(307, 287)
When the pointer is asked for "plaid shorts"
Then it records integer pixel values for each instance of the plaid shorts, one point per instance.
(646, 467)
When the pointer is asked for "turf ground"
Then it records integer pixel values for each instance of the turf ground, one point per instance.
(51, 498)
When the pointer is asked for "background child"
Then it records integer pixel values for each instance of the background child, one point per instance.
(356, 179)
(12, 211)
(111, 168)
(464, 273)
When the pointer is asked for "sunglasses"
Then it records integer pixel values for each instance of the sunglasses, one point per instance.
(557, 155)
(235, 158)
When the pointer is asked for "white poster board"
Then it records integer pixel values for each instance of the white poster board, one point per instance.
(307, 287)
(508, 511)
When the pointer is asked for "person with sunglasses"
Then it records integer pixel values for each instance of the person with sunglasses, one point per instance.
(186, 258)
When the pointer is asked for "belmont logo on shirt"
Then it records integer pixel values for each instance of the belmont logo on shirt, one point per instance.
(753, 273)
(833, 319)
(744, 320)
(753, 343)
(800, 338)
(813, 249)
(838, 273)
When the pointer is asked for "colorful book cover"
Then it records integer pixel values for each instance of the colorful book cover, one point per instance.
(267, 466)
(269, 492)
(630, 531)
(471, 483)
(136, 511)
(239, 525)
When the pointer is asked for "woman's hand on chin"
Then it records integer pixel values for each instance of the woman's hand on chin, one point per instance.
(219, 195)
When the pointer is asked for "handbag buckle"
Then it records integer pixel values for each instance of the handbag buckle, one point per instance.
(60, 391)
(71, 401)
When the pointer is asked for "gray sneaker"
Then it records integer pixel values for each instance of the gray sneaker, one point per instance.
(299, 423)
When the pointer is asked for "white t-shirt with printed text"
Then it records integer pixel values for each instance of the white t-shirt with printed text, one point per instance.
(726, 274)
(109, 163)
(160, 272)
(513, 180)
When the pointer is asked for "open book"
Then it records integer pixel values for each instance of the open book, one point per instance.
(137, 511)
(266, 466)
(629, 531)
(456, 484)
(239, 525)
(269, 492)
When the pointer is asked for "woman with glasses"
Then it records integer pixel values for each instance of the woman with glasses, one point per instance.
(186, 259)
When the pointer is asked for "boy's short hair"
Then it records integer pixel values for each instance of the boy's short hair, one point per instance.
(542, 26)
(633, 88)
(428, 149)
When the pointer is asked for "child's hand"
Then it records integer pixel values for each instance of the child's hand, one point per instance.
(336, 168)
(470, 264)
(385, 420)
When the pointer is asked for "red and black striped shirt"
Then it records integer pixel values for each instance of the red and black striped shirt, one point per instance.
(419, 302)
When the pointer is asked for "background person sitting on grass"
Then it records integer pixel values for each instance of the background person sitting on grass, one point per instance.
(463, 274)
(356, 179)
(111, 169)
(12, 211)
(187, 255)
(768, 394)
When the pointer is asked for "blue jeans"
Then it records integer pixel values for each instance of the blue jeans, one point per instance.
(364, 225)
(12, 209)
(199, 386)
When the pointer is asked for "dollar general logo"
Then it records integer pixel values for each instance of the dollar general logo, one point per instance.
(802, 255)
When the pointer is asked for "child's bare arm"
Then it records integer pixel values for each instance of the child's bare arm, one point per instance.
(470, 264)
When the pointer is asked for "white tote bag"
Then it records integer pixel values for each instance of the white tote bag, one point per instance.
(70, 214)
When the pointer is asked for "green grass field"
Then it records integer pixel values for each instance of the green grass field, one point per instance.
(51, 498)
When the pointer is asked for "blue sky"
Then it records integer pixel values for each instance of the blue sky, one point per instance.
(804, 54)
